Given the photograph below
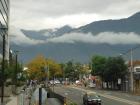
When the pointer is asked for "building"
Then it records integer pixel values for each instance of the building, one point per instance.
(4, 26)
(137, 79)
(136, 76)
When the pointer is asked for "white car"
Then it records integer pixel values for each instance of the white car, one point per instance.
(78, 82)
(92, 85)
(52, 82)
(57, 81)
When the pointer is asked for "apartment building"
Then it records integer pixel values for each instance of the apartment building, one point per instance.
(4, 26)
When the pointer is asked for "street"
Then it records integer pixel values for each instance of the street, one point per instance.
(74, 94)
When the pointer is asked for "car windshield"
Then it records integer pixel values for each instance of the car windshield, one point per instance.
(93, 96)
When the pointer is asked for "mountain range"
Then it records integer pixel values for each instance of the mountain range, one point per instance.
(79, 44)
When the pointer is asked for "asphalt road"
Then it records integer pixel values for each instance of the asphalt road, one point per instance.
(75, 94)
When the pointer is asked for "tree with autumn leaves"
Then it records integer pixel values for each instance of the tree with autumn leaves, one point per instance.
(41, 68)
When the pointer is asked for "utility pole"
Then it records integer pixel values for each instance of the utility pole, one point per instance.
(2, 72)
(16, 69)
(53, 82)
(63, 67)
(40, 96)
(48, 73)
(131, 73)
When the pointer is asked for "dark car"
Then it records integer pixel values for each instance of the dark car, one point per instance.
(91, 99)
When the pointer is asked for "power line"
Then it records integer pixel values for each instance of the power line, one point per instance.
(128, 51)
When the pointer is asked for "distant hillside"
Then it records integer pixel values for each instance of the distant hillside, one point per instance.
(47, 33)
(131, 24)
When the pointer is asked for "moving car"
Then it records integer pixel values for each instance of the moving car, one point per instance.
(91, 99)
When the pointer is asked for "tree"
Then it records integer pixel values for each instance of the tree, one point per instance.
(109, 69)
(115, 69)
(11, 73)
(98, 65)
(63, 66)
(40, 68)
(36, 68)
(74, 71)
(70, 71)
(55, 69)
(79, 71)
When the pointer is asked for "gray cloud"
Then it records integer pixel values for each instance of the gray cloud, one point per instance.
(17, 37)
(64, 7)
(37, 14)
(105, 37)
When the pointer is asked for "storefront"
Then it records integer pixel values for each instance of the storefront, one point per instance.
(137, 83)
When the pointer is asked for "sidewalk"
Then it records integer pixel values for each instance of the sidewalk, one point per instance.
(13, 101)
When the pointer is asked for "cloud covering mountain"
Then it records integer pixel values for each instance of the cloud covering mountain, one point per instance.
(101, 38)
(18, 38)
(106, 31)
(106, 37)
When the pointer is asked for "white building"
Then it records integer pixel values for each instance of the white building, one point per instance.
(136, 76)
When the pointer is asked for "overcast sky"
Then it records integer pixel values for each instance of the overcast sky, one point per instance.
(42, 14)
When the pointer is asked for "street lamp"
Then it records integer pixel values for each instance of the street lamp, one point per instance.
(16, 54)
(131, 68)
(16, 68)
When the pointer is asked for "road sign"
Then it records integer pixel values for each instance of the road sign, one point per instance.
(119, 81)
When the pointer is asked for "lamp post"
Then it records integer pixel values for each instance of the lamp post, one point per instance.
(16, 68)
(131, 72)
(131, 68)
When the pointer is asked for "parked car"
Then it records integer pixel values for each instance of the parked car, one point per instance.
(91, 99)
(52, 82)
(65, 82)
(92, 85)
(57, 82)
(79, 83)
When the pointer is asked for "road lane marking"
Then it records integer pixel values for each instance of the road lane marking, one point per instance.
(110, 97)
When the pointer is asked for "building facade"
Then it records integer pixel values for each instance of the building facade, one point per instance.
(4, 26)
(136, 77)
